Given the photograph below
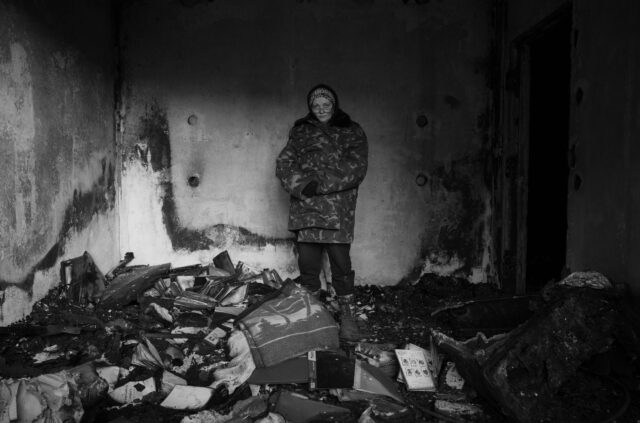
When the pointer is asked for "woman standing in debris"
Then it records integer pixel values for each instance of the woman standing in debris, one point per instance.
(322, 165)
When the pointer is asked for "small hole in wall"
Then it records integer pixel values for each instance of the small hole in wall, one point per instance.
(577, 182)
(579, 95)
(192, 120)
(421, 179)
(422, 121)
(193, 181)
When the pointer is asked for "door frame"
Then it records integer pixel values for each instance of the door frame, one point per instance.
(511, 188)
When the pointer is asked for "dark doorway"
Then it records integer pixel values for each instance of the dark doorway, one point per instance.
(550, 61)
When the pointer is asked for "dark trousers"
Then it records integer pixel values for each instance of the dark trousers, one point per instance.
(310, 265)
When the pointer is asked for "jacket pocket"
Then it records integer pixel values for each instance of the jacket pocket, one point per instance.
(316, 213)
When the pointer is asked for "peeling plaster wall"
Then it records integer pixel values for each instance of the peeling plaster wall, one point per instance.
(212, 91)
(604, 183)
(57, 164)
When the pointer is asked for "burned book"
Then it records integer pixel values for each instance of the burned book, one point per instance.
(424, 375)
(174, 289)
(235, 295)
(415, 370)
(246, 273)
(272, 278)
(214, 285)
(223, 261)
(194, 301)
(318, 369)
(128, 257)
(225, 293)
(329, 369)
(368, 378)
(191, 270)
(126, 288)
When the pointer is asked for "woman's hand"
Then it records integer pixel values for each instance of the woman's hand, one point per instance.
(311, 190)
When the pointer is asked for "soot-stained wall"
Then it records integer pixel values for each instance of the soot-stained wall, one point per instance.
(604, 204)
(604, 179)
(210, 92)
(57, 158)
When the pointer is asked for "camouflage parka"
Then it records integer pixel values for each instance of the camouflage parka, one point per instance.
(335, 155)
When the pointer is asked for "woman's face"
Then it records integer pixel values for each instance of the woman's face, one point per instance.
(322, 109)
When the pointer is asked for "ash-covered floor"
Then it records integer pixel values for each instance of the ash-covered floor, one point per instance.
(155, 343)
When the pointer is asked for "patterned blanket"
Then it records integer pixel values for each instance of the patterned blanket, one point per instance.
(291, 324)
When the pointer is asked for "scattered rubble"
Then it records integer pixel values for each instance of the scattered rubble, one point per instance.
(522, 371)
(219, 342)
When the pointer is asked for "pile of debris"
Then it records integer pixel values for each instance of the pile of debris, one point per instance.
(229, 343)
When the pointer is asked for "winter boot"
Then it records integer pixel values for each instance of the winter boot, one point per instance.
(349, 330)
(320, 295)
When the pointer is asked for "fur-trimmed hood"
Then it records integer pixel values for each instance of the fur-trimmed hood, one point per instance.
(339, 119)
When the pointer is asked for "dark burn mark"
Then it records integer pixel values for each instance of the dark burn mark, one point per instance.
(155, 132)
(119, 41)
(46, 262)
(243, 236)
(491, 165)
(84, 206)
(181, 238)
(249, 238)
(452, 101)
(463, 234)
(78, 214)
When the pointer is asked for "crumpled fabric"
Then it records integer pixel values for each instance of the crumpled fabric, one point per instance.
(49, 398)
(241, 366)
